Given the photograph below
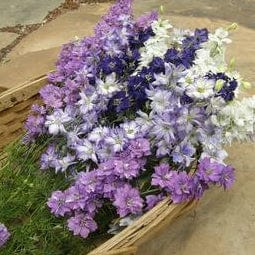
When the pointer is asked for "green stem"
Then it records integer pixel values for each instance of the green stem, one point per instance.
(149, 191)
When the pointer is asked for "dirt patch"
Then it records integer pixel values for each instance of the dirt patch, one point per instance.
(24, 30)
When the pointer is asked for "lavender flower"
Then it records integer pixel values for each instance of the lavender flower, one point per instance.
(82, 224)
(49, 158)
(128, 200)
(152, 200)
(227, 177)
(4, 234)
(162, 176)
(139, 148)
(57, 203)
(127, 167)
(181, 187)
(145, 21)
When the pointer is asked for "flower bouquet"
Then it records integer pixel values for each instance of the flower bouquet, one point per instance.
(137, 113)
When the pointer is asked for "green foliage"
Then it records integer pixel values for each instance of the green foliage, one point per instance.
(24, 190)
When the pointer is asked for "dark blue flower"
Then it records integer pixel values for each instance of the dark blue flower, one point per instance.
(157, 65)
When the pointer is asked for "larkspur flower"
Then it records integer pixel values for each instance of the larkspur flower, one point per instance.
(82, 224)
(62, 164)
(139, 148)
(212, 172)
(4, 234)
(117, 139)
(109, 86)
(55, 122)
(86, 150)
(57, 203)
(49, 158)
(162, 176)
(181, 187)
(127, 200)
(134, 96)
(152, 200)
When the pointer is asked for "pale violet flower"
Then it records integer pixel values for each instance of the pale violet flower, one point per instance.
(108, 86)
(55, 122)
(131, 129)
(63, 163)
(98, 134)
(87, 102)
(86, 150)
(161, 99)
(117, 139)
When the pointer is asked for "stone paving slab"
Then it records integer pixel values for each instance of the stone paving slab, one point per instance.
(25, 12)
(27, 67)
(7, 38)
(65, 28)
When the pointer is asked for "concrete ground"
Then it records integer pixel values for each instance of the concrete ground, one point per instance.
(224, 222)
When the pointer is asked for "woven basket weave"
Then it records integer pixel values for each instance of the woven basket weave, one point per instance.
(15, 105)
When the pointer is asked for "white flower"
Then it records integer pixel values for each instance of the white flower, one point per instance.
(144, 121)
(97, 134)
(178, 35)
(157, 45)
(87, 102)
(55, 122)
(131, 129)
(237, 120)
(201, 89)
(86, 151)
(160, 99)
(64, 163)
(160, 27)
(109, 86)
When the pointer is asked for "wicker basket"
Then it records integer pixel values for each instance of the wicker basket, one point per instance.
(15, 105)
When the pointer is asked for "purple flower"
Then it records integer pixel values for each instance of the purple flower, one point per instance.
(89, 180)
(49, 158)
(34, 126)
(52, 96)
(209, 171)
(139, 147)
(82, 224)
(4, 234)
(152, 200)
(162, 176)
(128, 200)
(57, 203)
(181, 187)
(76, 197)
(199, 187)
(145, 21)
(227, 177)
(127, 167)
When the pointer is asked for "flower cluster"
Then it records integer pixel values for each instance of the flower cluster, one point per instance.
(4, 234)
(138, 112)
